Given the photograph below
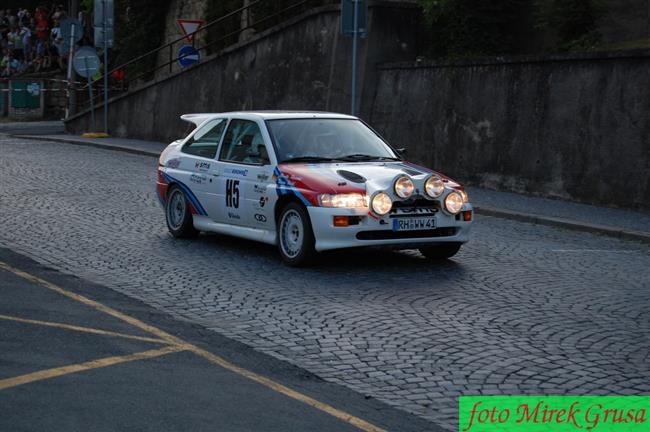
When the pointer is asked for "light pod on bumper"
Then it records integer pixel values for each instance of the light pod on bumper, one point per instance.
(454, 202)
(381, 203)
(434, 186)
(404, 187)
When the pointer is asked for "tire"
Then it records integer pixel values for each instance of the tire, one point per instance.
(440, 252)
(178, 214)
(295, 236)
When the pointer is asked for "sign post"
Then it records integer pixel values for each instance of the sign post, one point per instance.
(353, 23)
(105, 66)
(86, 63)
(71, 33)
(104, 39)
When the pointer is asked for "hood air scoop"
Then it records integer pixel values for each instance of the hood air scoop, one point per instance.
(350, 176)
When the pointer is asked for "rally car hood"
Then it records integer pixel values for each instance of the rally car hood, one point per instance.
(362, 177)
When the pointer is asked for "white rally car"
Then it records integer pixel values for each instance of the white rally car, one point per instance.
(307, 182)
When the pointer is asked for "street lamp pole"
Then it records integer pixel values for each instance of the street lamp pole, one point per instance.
(355, 35)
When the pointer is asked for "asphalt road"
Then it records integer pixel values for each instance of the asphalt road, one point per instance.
(522, 309)
(68, 365)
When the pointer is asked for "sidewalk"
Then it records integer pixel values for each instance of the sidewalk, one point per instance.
(582, 217)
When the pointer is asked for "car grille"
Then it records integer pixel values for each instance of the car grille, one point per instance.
(390, 235)
(414, 207)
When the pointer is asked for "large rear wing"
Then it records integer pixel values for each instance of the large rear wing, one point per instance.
(197, 118)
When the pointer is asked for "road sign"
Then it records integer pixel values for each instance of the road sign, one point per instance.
(99, 37)
(85, 62)
(188, 27)
(188, 55)
(66, 29)
(347, 17)
(100, 8)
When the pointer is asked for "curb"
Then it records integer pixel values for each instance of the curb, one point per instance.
(482, 210)
(564, 223)
(104, 146)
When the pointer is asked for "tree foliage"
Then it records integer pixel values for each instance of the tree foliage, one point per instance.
(460, 28)
(574, 21)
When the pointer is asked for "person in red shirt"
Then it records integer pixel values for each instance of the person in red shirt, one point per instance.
(42, 25)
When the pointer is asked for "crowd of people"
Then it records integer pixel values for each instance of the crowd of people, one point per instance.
(30, 41)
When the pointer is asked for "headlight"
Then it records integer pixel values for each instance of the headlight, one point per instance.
(404, 187)
(434, 186)
(454, 202)
(351, 200)
(464, 195)
(381, 203)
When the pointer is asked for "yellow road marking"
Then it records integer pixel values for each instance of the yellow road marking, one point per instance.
(180, 345)
(341, 415)
(80, 329)
(93, 364)
(92, 303)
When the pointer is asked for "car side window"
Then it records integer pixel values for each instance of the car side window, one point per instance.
(205, 141)
(243, 143)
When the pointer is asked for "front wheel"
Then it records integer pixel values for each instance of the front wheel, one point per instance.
(295, 236)
(178, 215)
(442, 251)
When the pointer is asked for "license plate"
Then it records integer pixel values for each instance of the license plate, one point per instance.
(413, 224)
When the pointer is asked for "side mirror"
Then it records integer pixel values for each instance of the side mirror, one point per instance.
(401, 151)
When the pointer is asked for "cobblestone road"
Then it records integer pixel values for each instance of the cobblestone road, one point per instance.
(522, 309)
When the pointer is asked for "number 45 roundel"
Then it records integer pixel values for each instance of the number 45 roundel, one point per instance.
(232, 193)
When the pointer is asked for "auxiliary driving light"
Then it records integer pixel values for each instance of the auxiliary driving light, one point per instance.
(434, 186)
(381, 203)
(404, 187)
(454, 202)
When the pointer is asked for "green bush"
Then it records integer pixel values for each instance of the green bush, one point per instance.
(575, 22)
(139, 28)
(462, 28)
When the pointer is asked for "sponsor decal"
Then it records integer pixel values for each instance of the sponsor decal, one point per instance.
(173, 163)
(553, 413)
(259, 188)
(202, 166)
(198, 179)
(237, 171)
(262, 177)
(262, 202)
(195, 204)
(284, 186)
(260, 218)
(232, 215)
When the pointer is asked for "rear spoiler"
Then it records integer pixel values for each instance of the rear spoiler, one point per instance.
(197, 119)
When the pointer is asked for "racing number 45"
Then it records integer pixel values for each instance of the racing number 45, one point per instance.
(232, 193)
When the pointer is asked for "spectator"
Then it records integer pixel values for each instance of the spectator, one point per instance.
(31, 41)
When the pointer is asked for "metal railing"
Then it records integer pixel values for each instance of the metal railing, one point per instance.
(257, 16)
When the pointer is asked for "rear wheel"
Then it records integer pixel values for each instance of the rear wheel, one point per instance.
(295, 236)
(178, 215)
(439, 252)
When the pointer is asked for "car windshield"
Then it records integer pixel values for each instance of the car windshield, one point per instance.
(323, 140)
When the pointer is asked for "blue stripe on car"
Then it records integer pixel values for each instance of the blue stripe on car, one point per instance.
(188, 193)
(284, 187)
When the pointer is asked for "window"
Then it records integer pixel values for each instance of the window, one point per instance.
(243, 143)
(205, 141)
(337, 139)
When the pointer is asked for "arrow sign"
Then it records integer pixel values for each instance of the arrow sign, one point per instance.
(188, 55)
(188, 27)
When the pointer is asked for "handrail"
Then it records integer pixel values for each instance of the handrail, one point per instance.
(278, 11)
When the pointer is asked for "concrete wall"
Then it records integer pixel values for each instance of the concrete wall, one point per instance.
(573, 127)
(302, 64)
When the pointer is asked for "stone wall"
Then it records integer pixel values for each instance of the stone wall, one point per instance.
(301, 64)
(574, 127)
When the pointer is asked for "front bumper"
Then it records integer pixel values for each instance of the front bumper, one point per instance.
(375, 231)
